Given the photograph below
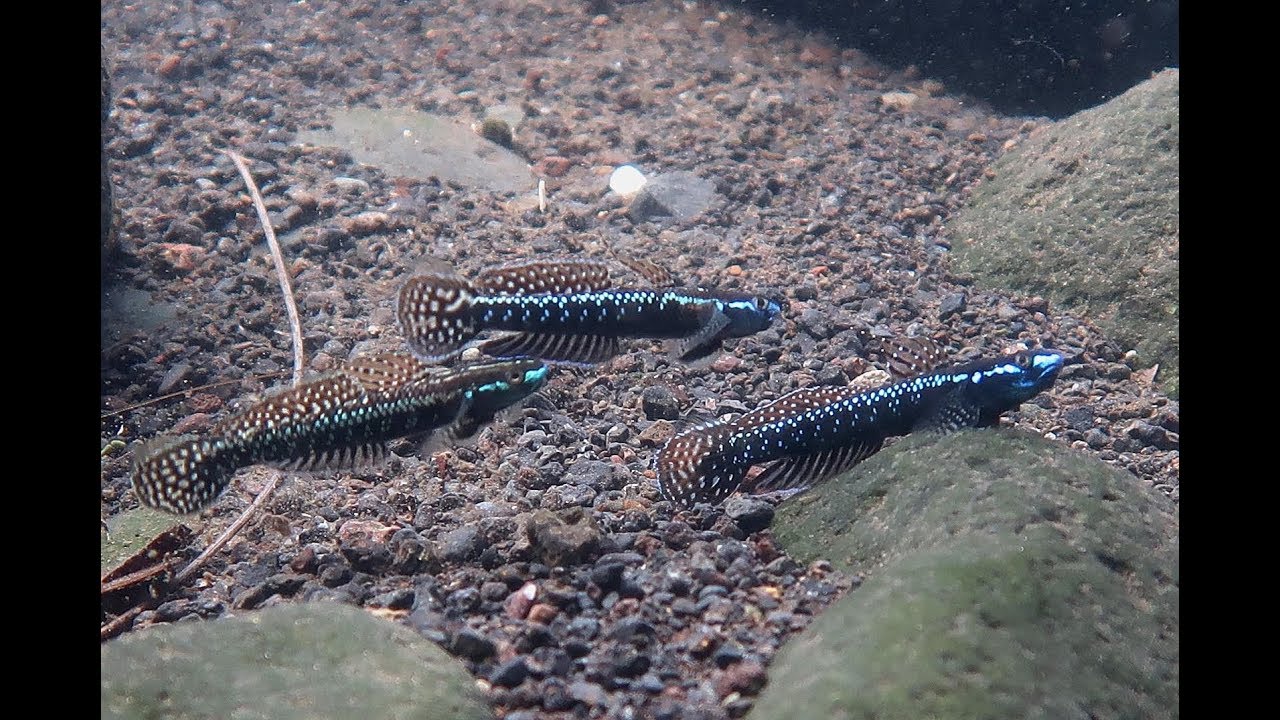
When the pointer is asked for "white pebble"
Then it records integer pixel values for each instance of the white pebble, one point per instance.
(626, 180)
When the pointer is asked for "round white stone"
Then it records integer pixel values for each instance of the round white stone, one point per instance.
(626, 180)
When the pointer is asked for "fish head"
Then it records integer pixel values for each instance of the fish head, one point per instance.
(749, 314)
(1007, 382)
(498, 385)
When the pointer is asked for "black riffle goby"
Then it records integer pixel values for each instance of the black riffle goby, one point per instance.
(567, 311)
(340, 419)
(815, 433)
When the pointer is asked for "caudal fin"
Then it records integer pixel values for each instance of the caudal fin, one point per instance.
(435, 314)
(180, 475)
(692, 469)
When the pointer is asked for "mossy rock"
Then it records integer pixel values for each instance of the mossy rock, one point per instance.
(314, 660)
(1085, 213)
(1008, 577)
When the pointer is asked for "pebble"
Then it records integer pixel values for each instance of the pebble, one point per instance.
(510, 673)
(659, 403)
(588, 693)
(461, 544)
(520, 602)
(561, 543)
(750, 514)
(726, 363)
(366, 223)
(472, 645)
(680, 194)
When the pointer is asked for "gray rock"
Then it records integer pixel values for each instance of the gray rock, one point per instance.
(462, 544)
(557, 542)
(510, 673)
(659, 404)
(564, 496)
(596, 474)
(950, 305)
(318, 660)
(680, 194)
(1085, 213)
(1014, 577)
(750, 514)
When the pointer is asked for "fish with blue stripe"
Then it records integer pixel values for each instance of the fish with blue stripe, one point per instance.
(815, 433)
(567, 310)
(340, 419)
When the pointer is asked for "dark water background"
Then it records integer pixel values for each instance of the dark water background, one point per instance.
(1025, 57)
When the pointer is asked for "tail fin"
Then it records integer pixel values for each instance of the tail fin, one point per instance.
(692, 469)
(434, 312)
(180, 475)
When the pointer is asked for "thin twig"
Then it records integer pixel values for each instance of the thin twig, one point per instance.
(114, 627)
(295, 324)
(186, 572)
(134, 578)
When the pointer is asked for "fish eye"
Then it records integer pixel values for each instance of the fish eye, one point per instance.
(515, 378)
(762, 303)
(1024, 360)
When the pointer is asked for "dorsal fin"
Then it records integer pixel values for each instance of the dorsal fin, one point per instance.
(544, 276)
(791, 404)
(387, 372)
(651, 271)
(906, 357)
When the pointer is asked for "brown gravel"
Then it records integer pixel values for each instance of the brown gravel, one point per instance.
(829, 198)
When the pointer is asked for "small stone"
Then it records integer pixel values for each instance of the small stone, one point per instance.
(462, 544)
(367, 529)
(559, 543)
(726, 363)
(746, 678)
(169, 66)
(176, 375)
(656, 434)
(542, 613)
(510, 673)
(679, 194)
(626, 180)
(659, 403)
(366, 556)
(727, 654)
(520, 602)
(554, 166)
(471, 644)
(750, 514)
(367, 223)
(588, 693)
(563, 496)
(950, 305)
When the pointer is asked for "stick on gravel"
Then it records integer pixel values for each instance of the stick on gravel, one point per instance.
(295, 325)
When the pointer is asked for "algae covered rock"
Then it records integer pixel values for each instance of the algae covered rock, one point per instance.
(317, 660)
(1085, 213)
(1008, 577)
